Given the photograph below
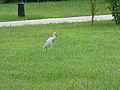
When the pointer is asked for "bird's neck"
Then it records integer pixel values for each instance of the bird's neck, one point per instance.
(54, 35)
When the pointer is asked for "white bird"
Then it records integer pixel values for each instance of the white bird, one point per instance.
(49, 42)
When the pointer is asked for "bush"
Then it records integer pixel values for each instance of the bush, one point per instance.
(115, 9)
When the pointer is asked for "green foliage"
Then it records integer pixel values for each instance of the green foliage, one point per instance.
(83, 57)
(1, 1)
(115, 9)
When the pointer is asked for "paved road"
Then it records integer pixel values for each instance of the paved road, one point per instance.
(55, 20)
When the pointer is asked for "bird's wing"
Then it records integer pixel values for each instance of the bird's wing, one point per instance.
(48, 43)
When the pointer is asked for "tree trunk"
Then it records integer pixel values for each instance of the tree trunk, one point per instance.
(93, 7)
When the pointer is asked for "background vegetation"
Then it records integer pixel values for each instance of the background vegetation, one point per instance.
(13, 1)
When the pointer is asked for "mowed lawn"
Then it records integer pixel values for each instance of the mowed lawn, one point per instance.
(70, 8)
(83, 57)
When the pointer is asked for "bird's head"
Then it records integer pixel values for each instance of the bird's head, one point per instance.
(54, 34)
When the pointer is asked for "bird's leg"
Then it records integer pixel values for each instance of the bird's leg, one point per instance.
(46, 49)
(51, 45)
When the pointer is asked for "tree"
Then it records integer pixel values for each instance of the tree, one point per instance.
(114, 8)
(93, 8)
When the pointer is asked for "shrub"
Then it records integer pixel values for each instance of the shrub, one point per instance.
(114, 8)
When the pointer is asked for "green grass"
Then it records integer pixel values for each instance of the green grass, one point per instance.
(8, 12)
(82, 58)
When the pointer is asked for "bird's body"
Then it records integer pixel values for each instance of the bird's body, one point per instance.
(49, 42)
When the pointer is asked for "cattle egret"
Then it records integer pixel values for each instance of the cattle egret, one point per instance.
(50, 41)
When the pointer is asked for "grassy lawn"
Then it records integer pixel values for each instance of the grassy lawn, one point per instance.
(8, 12)
(82, 58)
